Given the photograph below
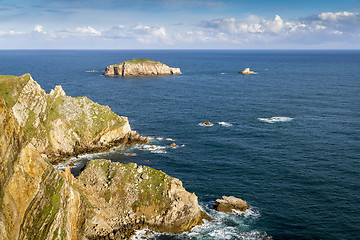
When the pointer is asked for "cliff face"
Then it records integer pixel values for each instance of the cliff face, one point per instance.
(59, 125)
(140, 67)
(35, 201)
(106, 200)
(148, 197)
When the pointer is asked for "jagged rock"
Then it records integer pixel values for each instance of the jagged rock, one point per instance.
(108, 200)
(61, 126)
(227, 204)
(140, 67)
(247, 71)
(157, 200)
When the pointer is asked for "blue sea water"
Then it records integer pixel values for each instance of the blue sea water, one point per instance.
(288, 141)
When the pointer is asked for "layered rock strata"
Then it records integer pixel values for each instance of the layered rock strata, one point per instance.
(140, 67)
(107, 201)
(61, 126)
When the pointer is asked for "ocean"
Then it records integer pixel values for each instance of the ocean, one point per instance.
(286, 140)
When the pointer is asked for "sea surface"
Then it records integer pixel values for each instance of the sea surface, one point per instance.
(286, 140)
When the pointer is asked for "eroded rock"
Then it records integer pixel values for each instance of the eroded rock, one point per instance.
(227, 204)
(140, 67)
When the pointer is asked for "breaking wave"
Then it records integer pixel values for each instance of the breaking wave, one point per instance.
(205, 125)
(275, 119)
(224, 226)
(225, 124)
(152, 148)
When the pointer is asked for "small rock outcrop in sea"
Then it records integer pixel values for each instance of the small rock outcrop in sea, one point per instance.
(107, 201)
(247, 71)
(61, 126)
(227, 204)
(140, 67)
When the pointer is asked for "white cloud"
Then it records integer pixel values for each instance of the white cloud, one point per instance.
(87, 31)
(39, 29)
(141, 33)
(338, 16)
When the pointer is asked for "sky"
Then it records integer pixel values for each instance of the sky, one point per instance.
(180, 24)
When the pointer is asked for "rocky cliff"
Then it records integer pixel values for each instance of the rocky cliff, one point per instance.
(140, 67)
(107, 201)
(60, 125)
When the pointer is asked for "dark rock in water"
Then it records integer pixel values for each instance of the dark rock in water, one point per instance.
(227, 204)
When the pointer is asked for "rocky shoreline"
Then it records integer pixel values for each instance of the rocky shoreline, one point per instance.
(106, 201)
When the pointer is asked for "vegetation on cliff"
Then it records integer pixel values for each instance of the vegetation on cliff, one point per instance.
(60, 125)
(140, 67)
(107, 200)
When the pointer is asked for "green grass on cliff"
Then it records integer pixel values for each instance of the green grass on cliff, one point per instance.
(11, 86)
(138, 60)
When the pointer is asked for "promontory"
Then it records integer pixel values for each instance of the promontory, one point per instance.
(140, 67)
(108, 200)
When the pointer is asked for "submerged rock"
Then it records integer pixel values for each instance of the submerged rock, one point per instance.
(247, 71)
(140, 67)
(227, 204)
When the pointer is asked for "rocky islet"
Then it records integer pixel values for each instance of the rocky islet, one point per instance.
(140, 67)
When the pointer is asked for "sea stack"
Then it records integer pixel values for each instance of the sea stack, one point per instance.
(140, 67)
(247, 71)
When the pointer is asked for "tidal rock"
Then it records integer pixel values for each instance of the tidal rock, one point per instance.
(140, 67)
(173, 145)
(247, 71)
(227, 204)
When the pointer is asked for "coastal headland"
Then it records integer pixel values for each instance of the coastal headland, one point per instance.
(107, 200)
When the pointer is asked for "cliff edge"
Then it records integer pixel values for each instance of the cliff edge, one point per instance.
(62, 126)
(140, 67)
(107, 201)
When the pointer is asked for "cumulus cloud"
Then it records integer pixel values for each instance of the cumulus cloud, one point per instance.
(39, 29)
(141, 33)
(255, 31)
(321, 27)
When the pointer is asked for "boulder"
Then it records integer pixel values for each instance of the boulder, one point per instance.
(247, 71)
(227, 204)
(140, 67)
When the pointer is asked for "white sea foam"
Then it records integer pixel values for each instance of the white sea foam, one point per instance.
(91, 71)
(224, 226)
(222, 73)
(152, 148)
(225, 124)
(275, 119)
(206, 125)
(162, 139)
(75, 161)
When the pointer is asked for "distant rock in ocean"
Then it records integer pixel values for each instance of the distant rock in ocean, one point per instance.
(227, 204)
(140, 67)
(246, 71)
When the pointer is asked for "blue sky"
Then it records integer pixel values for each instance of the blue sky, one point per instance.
(179, 24)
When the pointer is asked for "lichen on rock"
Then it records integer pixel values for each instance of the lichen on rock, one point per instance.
(59, 125)
(108, 200)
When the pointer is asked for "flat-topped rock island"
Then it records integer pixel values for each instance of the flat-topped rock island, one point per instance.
(140, 67)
